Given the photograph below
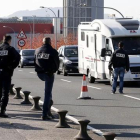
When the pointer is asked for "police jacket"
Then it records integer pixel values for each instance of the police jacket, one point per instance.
(46, 59)
(9, 58)
(119, 59)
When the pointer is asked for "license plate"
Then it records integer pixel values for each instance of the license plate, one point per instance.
(31, 61)
(137, 75)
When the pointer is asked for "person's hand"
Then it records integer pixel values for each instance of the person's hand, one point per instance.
(110, 69)
(126, 71)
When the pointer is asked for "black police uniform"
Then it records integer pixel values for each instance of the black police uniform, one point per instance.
(119, 59)
(46, 59)
(9, 60)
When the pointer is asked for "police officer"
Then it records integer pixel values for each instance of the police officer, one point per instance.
(120, 62)
(46, 64)
(9, 60)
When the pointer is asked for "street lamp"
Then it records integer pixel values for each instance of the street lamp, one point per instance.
(55, 25)
(33, 27)
(13, 31)
(104, 7)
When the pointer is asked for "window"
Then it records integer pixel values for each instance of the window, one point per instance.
(82, 36)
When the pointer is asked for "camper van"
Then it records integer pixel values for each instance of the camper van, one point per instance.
(97, 40)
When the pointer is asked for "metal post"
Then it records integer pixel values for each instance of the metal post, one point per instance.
(55, 24)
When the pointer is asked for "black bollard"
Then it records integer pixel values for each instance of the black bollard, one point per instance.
(62, 120)
(36, 106)
(18, 96)
(109, 136)
(49, 113)
(11, 90)
(26, 99)
(83, 135)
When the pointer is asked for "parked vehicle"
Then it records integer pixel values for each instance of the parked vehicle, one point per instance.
(27, 57)
(99, 38)
(68, 56)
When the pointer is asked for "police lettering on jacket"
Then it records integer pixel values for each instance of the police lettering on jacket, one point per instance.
(3, 53)
(43, 56)
(120, 55)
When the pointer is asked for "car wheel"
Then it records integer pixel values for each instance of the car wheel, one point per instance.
(64, 71)
(58, 72)
(21, 65)
(90, 78)
(111, 78)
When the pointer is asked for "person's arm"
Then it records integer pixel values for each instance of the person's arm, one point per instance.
(56, 59)
(111, 62)
(15, 58)
(127, 63)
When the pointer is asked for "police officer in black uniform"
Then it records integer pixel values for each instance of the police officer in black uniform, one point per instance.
(120, 62)
(46, 64)
(9, 60)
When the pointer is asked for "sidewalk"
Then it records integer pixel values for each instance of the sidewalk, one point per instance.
(25, 124)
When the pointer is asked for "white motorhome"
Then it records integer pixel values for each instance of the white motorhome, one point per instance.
(98, 39)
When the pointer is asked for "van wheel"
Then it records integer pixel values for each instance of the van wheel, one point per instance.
(58, 72)
(90, 78)
(111, 78)
(64, 71)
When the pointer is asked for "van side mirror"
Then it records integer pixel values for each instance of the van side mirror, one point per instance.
(103, 52)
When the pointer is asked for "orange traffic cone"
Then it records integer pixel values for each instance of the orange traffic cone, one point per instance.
(84, 89)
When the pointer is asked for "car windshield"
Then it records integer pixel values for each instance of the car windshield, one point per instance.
(131, 44)
(71, 52)
(28, 52)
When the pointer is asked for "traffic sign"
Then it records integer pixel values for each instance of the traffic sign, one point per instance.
(21, 42)
(21, 35)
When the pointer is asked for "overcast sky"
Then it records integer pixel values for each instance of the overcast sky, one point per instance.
(126, 7)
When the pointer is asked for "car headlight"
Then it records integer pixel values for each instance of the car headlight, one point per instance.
(67, 62)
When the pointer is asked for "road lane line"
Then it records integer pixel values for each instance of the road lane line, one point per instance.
(32, 72)
(132, 97)
(94, 87)
(96, 131)
(65, 80)
(20, 70)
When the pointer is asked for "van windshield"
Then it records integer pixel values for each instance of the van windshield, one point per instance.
(28, 52)
(131, 44)
(71, 52)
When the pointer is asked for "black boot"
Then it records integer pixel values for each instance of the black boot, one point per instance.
(49, 113)
(3, 114)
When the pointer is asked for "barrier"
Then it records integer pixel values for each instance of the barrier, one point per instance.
(36, 106)
(84, 89)
(62, 119)
(82, 135)
(11, 90)
(109, 136)
(26, 99)
(17, 95)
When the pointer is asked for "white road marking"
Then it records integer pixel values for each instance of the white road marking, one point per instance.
(131, 97)
(97, 131)
(93, 87)
(32, 72)
(65, 80)
(20, 70)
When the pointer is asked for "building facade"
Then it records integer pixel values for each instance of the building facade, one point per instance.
(76, 11)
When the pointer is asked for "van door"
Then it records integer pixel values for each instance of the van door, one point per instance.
(107, 57)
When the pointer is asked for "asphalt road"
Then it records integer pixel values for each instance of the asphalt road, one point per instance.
(110, 113)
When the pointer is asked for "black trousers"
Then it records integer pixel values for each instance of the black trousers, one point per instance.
(5, 82)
